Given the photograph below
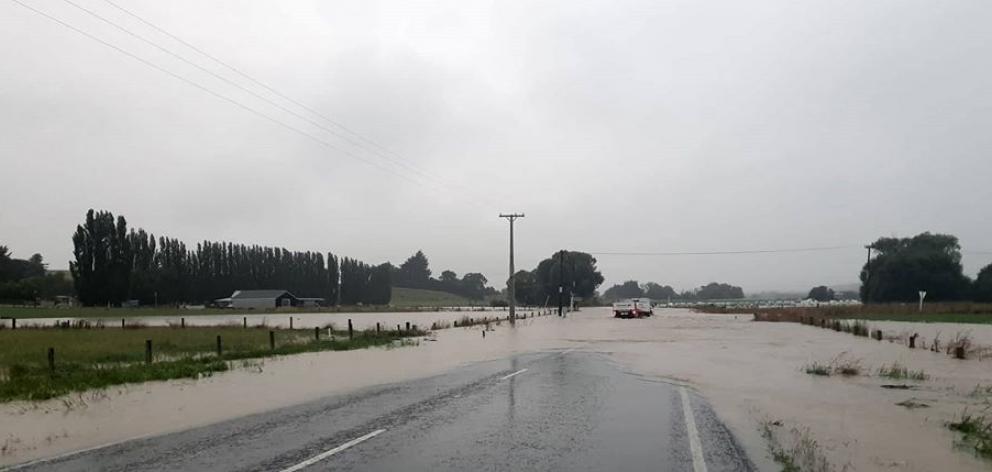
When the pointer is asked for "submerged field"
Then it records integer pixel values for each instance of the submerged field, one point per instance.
(94, 357)
(977, 313)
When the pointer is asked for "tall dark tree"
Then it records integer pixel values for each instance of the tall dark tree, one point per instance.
(901, 267)
(575, 271)
(719, 291)
(656, 291)
(821, 293)
(982, 289)
(628, 289)
(415, 272)
(526, 289)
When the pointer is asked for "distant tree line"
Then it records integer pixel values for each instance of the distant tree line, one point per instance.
(574, 271)
(415, 272)
(28, 281)
(113, 264)
(901, 267)
(655, 291)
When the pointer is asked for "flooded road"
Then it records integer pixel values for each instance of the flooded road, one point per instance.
(564, 410)
(751, 373)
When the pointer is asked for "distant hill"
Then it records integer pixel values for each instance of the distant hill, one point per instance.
(420, 297)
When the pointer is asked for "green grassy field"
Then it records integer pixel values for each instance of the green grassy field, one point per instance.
(976, 318)
(94, 357)
(413, 297)
(963, 312)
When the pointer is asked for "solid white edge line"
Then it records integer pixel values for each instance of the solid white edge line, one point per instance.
(324, 455)
(515, 373)
(77, 452)
(698, 462)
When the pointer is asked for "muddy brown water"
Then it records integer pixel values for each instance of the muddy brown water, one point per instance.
(751, 372)
(363, 320)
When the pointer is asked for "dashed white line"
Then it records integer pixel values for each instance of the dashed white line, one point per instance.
(515, 373)
(319, 457)
(698, 462)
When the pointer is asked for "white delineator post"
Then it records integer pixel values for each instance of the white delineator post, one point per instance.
(923, 294)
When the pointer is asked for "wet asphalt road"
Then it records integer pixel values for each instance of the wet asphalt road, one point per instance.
(566, 410)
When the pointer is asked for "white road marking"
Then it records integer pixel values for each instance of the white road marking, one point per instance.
(69, 454)
(315, 459)
(567, 351)
(698, 462)
(515, 373)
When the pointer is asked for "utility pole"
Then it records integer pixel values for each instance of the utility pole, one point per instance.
(561, 282)
(511, 284)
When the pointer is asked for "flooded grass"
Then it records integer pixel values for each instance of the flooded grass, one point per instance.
(816, 368)
(976, 431)
(96, 358)
(897, 371)
(962, 312)
(804, 454)
(840, 365)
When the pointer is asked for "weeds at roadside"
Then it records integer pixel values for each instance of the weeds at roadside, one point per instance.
(976, 431)
(899, 372)
(839, 365)
(804, 454)
(860, 328)
(816, 368)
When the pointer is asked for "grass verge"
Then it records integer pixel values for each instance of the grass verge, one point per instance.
(97, 358)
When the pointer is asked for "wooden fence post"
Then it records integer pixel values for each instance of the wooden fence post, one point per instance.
(13, 323)
(408, 326)
(245, 321)
(912, 340)
(51, 359)
(220, 347)
(351, 332)
(148, 351)
(272, 340)
(377, 327)
(290, 322)
(182, 322)
(122, 323)
(316, 334)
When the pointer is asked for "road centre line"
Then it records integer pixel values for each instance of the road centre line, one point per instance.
(324, 455)
(515, 373)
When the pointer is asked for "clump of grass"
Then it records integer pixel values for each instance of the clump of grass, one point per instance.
(848, 368)
(817, 368)
(839, 365)
(976, 431)
(898, 371)
(803, 455)
(860, 328)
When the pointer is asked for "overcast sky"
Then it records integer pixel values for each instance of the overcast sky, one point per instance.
(616, 126)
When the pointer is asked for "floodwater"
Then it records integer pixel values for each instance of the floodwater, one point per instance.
(423, 319)
(751, 372)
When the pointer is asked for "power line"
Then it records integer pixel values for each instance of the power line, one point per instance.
(232, 83)
(376, 149)
(212, 92)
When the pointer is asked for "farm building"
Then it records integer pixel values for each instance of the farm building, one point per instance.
(266, 299)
